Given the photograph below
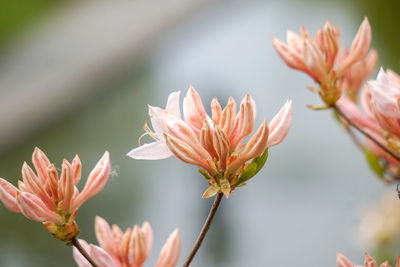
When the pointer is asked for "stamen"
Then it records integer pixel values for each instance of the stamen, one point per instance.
(149, 132)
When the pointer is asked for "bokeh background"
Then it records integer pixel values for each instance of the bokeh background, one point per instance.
(76, 77)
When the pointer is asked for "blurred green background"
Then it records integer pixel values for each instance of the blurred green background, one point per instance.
(76, 78)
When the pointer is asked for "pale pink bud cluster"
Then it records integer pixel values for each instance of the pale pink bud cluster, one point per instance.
(333, 67)
(127, 249)
(384, 100)
(342, 261)
(216, 144)
(46, 197)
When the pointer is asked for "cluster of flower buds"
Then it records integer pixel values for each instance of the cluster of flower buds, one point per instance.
(336, 69)
(342, 261)
(216, 144)
(127, 249)
(53, 200)
(340, 70)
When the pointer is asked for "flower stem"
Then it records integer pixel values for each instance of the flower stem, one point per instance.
(78, 246)
(204, 230)
(387, 150)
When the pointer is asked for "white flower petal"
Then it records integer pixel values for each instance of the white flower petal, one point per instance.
(152, 151)
(386, 104)
(173, 104)
(280, 124)
(157, 121)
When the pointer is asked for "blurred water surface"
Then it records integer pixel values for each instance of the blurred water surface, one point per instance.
(298, 211)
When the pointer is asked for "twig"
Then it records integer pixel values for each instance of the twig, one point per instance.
(204, 230)
(390, 152)
(78, 246)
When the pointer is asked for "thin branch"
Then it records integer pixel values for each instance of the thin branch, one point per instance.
(390, 152)
(353, 136)
(78, 246)
(204, 230)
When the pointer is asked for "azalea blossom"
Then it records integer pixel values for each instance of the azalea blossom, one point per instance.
(216, 144)
(333, 67)
(127, 249)
(45, 197)
(385, 97)
(342, 261)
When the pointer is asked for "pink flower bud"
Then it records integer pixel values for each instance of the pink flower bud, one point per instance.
(255, 147)
(138, 246)
(41, 162)
(95, 183)
(280, 125)
(66, 188)
(170, 252)
(34, 185)
(33, 208)
(76, 169)
(8, 194)
(291, 54)
(193, 110)
(124, 246)
(216, 110)
(244, 122)
(359, 47)
(228, 116)
(186, 153)
(104, 235)
(314, 60)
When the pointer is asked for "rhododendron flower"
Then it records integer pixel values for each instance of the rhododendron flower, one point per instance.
(127, 249)
(342, 261)
(334, 68)
(216, 144)
(53, 200)
(385, 96)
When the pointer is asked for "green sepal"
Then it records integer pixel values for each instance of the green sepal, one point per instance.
(374, 163)
(205, 174)
(253, 168)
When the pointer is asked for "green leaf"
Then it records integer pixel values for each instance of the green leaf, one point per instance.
(253, 168)
(248, 172)
(205, 174)
(261, 160)
(374, 163)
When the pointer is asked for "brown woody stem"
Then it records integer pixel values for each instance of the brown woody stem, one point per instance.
(204, 230)
(78, 246)
(387, 150)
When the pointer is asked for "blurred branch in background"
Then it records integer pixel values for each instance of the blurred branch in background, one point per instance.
(75, 50)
